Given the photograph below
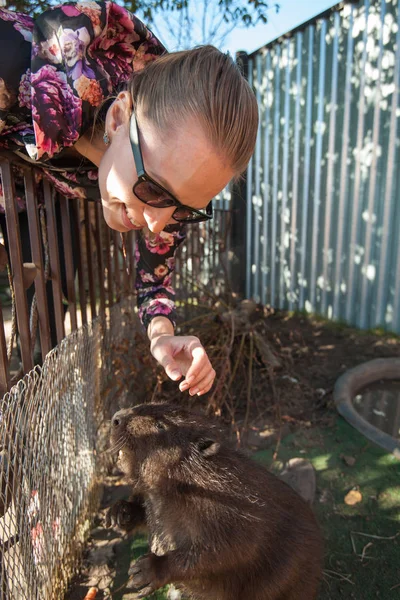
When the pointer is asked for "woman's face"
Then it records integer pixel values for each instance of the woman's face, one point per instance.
(182, 162)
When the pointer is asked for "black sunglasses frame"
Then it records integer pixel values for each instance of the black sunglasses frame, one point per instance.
(198, 215)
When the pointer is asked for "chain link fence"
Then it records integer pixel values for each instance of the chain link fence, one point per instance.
(53, 439)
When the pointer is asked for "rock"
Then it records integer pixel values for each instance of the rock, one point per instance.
(349, 460)
(174, 594)
(291, 379)
(300, 475)
(326, 497)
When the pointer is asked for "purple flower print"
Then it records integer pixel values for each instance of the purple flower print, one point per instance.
(116, 60)
(22, 23)
(115, 48)
(49, 50)
(56, 111)
(93, 11)
(142, 57)
(89, 90)
(160, 306)
(64, 188)
(160, 243)
(120, 25)
(137, 253)
(146, 277)
(164, 291)
(73, 47)
(24, 96)
(170, 262)
(70, 11)
(167, 281)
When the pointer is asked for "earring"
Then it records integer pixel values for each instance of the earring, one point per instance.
(106, 139)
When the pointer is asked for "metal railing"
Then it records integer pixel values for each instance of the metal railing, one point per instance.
(80, 266)
(323, 207)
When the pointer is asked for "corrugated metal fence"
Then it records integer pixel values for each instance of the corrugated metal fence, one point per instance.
(323, 210)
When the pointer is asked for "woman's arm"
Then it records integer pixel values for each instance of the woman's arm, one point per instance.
(179, 355)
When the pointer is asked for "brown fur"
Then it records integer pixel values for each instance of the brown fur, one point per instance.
(219, 523)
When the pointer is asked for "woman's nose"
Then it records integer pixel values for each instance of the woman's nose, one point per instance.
(157, 218)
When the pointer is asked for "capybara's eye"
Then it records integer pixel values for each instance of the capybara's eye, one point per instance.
(160, 425)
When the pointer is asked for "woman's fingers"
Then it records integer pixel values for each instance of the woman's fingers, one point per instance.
(200, 375)
(204, 385)
(185, 355)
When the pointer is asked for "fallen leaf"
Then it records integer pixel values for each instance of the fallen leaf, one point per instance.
(349, 460)
(353, 497)
(91, 595)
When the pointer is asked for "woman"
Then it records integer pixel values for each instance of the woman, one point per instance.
(177, 128)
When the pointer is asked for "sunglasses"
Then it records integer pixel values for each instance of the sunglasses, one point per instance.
(153, 194)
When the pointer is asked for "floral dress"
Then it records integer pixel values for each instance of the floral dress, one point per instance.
(55, 71)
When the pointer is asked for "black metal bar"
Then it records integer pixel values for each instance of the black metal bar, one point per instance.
(125, 263)
(4, 366)
(100, 261)
(109, 268)
(78, 249)
(132, 269)
(15, 250)
(117, 275)
(55, 270)
(69, 260)
(239, 215)
(38, 260)
(89, 263)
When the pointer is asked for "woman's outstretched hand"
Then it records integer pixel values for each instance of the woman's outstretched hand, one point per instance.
(182, 356)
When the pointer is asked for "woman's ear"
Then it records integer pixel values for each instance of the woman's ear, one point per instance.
(118, 114)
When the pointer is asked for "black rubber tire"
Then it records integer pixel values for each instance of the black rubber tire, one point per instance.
(350, 384)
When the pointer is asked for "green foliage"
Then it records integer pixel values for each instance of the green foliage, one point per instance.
(234, 12)
(27, 7)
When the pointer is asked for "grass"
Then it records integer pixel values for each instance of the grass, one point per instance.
(362, 552)
(128, 550)
(362, 542)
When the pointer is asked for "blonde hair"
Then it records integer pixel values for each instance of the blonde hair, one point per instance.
(207, 85)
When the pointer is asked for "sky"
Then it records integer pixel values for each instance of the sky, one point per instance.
(291, 14)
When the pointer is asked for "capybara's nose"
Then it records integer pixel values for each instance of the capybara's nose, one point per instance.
(118, 419)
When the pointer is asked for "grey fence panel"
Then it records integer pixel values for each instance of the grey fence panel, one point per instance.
(323, 230)
(204, 262)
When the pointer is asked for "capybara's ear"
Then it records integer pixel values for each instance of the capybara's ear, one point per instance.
(208, 447)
